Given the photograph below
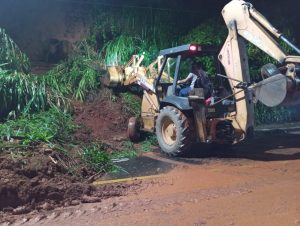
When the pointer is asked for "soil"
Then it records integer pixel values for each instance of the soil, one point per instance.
(102, 118)
(40, 179)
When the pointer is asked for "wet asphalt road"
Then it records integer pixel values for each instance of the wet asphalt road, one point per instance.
(268, 144)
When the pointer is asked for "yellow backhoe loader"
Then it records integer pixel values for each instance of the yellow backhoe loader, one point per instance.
(181, 121)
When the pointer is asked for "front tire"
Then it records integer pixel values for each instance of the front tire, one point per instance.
(174, 131)
(134, 129)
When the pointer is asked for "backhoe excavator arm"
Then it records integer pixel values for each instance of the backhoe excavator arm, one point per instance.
(244, 23)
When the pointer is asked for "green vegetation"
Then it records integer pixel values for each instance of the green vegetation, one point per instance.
(264, 114)
(149, 142)
(96, 157)
(11, 58)
(128, 151)
(26, 93)
(75, 77)
(21, 93)
(119, 50)
(132, 103)
(208, 33)
(53, 125)
(33, 105)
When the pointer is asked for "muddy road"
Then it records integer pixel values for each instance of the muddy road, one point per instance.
(255, 183)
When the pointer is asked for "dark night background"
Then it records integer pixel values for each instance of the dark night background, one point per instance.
(32, 23)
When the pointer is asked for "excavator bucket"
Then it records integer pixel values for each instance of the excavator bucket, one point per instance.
(271, 91)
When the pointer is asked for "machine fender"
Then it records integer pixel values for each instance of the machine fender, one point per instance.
(181, 103)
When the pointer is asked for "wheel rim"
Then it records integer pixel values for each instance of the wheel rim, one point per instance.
(169, 131)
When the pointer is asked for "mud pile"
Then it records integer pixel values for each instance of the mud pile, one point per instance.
(102, 118)
(41, 179)
(36, 180)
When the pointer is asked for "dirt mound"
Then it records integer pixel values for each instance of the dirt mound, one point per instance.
(36, 181)
(103, 118)
(41, 179)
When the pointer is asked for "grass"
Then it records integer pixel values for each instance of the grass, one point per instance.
(50, 126)
(119, 50)
(11, 57)
(21, 93)
(132, 103)
(128, 151)
(26, 93)
(76, 77)
(97, 158)
(149, 142)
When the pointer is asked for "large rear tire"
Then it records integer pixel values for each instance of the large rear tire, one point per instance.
(174, 131)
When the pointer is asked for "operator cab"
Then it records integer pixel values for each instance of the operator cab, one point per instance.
(177, 63)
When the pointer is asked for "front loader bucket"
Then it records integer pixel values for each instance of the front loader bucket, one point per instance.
(115, 76)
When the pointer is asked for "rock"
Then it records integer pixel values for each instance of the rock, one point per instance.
(90, 199)
(21, 210)
(74, 202)
(67, 203)
(47, 206)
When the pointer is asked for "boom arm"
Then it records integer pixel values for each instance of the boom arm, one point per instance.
(245, 23)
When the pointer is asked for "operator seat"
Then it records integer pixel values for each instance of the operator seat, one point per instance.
(169, 90)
